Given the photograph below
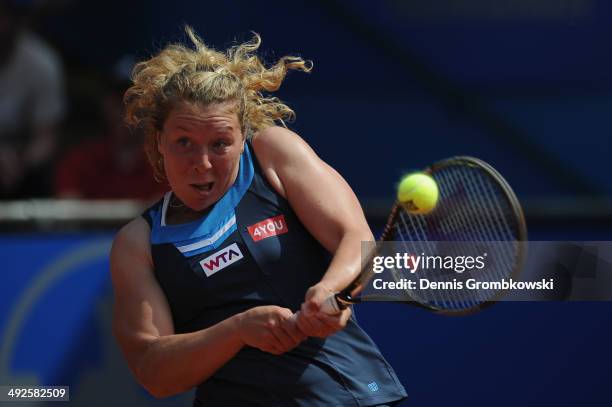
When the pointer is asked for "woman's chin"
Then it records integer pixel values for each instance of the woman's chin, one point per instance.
(200, 202)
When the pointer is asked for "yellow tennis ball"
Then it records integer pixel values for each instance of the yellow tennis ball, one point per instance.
(418, 193)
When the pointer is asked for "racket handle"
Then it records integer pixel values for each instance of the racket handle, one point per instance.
(331, 306)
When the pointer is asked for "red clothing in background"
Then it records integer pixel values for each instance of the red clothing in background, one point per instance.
(93, 170)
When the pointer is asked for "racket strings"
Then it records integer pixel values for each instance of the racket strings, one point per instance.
(435, 298)
(425, 246)
(501, 231)
(457, 223)
(450, 224)
(449, 297)
(488, 221)
(488, 230)
(492, 232)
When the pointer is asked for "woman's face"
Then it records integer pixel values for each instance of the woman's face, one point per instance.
(201, 147)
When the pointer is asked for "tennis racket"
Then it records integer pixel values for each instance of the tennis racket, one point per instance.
(476, 208)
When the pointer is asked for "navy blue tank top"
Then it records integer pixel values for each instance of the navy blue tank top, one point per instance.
(252, 250)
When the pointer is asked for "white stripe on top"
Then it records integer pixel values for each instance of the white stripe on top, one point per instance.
(165, 207)
(210, 240)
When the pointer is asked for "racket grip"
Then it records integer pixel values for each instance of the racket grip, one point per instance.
(331, 306)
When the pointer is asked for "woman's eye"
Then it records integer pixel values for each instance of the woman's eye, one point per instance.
(221, 144)
(183, 142)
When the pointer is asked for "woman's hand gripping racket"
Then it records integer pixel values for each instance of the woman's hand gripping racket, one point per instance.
(476, 208)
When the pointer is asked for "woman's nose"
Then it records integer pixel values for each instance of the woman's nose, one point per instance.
(202, 161)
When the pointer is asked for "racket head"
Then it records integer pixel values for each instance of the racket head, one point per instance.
(476, 204)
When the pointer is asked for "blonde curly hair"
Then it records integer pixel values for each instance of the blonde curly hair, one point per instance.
(204, 76)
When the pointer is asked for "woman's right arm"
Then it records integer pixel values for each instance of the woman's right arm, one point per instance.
(166, 363)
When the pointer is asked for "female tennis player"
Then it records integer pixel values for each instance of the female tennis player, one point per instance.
(255, 228)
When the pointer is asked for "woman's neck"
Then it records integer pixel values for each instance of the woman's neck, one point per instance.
(178, 213)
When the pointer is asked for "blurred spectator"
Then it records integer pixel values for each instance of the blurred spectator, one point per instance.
(32, 104)
(111, 166)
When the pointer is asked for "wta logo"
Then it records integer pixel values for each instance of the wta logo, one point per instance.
(221, 259)
(268, 228)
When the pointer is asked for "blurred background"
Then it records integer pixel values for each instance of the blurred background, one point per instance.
(525, 85)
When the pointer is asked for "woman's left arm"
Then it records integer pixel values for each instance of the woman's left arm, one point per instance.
(327, 207)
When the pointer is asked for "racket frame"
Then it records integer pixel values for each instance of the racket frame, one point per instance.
(349, 295)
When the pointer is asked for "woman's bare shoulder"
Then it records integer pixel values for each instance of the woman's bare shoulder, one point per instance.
(275, 140)
(277, 147)
(133, 240)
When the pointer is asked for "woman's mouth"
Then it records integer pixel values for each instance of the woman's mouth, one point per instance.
(203, 187)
